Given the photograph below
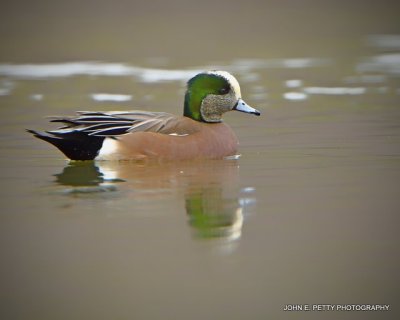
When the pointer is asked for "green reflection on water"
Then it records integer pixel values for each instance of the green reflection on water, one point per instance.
(210, 189)
(214, 215)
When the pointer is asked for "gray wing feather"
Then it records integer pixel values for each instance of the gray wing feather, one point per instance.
(109, 124)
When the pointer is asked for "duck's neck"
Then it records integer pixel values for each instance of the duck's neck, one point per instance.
(192, 106)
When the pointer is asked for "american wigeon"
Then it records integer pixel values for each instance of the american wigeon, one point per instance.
(140, 135)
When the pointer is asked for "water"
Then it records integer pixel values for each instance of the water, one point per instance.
(307, 214)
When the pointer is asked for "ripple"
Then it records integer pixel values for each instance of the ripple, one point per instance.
(40, 71)
(384, 63)
(247, 68)
(64, 69)
(384, 41)
(36, 97)
(6, 87)
(88, 190)
(335, 90)
(366, 78)
(293, 83)
(5, 91)
(295, 96)
(293, 63)
(111, 97)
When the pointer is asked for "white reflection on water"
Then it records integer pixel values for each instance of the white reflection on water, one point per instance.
(5, 91)
(37, 97)
(6, 87)
(69, 69)
(295, 96)
(65, 69)
(384, 63)
(371, 71)
(335, 90)
(384, 41)
(293, 83)
(388, 59)
(293, 63)
(111, 97)
(366, 78)
(298, 96)
(38, 71)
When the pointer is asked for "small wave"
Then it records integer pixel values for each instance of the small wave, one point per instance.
(384, 41)
(111, 97)
(295, 96)
(293, 63)
(69, 69)
(335, 90)
(384, 63)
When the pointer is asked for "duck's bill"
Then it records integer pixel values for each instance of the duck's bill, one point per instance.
(244, 107)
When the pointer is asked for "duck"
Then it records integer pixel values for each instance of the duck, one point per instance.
(200, 133)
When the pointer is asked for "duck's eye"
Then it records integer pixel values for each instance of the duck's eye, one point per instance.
(223, 90)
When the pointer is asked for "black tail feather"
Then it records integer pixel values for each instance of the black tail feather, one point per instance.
(74, 144)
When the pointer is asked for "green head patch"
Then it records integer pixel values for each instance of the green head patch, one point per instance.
(199, 87)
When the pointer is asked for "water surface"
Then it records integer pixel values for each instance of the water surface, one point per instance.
(307, 214)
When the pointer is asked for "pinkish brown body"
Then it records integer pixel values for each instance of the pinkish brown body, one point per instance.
(202, 141)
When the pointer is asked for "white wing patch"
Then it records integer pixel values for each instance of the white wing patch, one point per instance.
(108, 150)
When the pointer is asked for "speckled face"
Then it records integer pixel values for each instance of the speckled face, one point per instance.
(211, 94)
(214, 105)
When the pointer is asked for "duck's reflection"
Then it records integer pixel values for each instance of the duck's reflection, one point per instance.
(80, 174)
(213, 215)
(210, 189)
(82, 177)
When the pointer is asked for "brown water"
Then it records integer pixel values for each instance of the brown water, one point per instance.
(308, 214)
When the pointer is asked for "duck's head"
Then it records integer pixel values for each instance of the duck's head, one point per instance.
(210, 94)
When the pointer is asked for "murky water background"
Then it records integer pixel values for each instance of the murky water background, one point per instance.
(308, 214)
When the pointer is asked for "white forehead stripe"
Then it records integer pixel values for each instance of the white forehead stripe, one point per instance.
(231, 79)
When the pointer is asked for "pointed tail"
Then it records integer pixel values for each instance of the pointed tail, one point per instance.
(74, 144)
